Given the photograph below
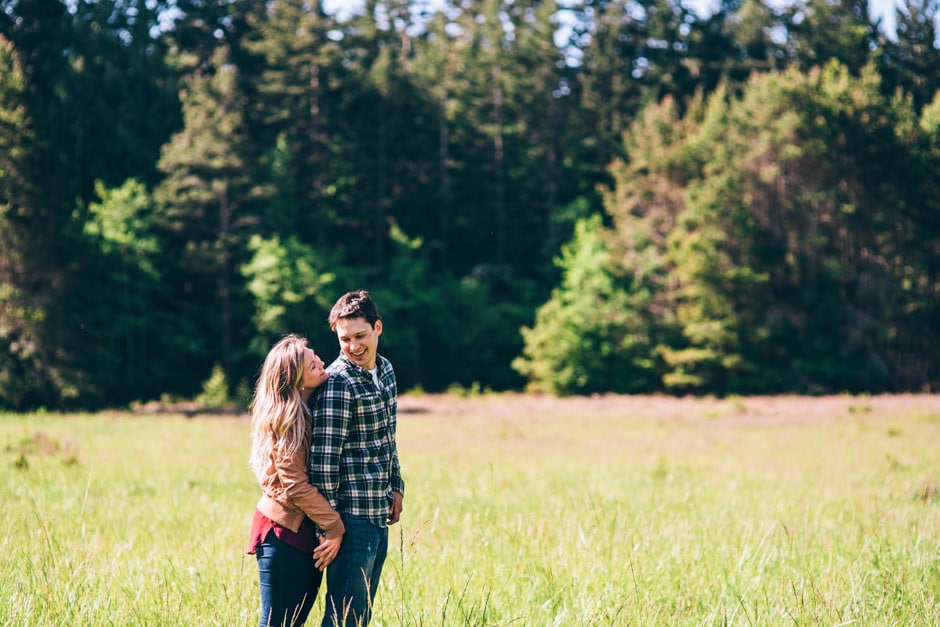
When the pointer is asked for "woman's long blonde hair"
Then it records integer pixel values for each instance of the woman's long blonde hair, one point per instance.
(278, 413)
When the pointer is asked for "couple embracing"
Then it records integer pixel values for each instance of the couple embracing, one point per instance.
(324, 452)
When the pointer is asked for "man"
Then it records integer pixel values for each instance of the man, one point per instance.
(354, 458)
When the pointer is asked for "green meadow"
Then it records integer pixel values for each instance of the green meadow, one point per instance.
(519, 510)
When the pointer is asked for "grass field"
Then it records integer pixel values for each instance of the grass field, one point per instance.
(519, 510)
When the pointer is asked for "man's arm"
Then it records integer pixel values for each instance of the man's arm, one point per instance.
(398, 487)
(331, 414)
(396, 481)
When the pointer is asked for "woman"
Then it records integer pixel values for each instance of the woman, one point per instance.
(290, 550)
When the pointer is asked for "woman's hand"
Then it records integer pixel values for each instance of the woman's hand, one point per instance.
(326, 552)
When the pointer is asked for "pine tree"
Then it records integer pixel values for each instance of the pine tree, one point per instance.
(591, 336)
(391, 135)
(912, 62)
(299, 82)
(819, 31)
(209, 202)
(21, 376)
(735, 42)
(130, 347)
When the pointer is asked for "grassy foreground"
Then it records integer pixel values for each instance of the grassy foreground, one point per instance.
(518, 510)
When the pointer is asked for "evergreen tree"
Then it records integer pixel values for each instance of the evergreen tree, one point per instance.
(200, 27)
(131, 346)
(390, 132)
(292, 287)
(100, 102)
(591, 336)
(209, 203)
(294, 122)
(735, 42)
(912, 62)
(780, 252)
(122, 102)
(819, 31)
(502, 94)
(919, 274)
(667, 62)
(436, 74)
(608, 82)
(448, 330)
(764, 230)
(541, 103)
(647, 204)
(21, 372)
(485, 180)
(776, 242)
(45, 183)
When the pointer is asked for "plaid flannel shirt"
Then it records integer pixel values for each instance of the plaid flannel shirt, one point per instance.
(353, 454)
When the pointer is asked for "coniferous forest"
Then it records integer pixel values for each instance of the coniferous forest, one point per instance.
(574, 197)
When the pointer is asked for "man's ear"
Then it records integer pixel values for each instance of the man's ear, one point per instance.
(378, 327)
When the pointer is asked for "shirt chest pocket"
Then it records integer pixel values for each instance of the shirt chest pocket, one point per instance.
(373, 414)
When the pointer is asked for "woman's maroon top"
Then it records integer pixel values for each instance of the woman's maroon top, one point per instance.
(304, 540)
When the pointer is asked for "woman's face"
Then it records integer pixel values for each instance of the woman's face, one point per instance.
(314, 374)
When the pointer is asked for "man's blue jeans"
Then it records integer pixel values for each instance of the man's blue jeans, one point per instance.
(353, 577)
(289, 583)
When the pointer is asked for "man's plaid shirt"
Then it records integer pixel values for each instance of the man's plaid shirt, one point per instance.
(353, 454)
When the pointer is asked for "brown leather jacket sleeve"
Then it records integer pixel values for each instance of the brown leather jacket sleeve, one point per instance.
(292, 475)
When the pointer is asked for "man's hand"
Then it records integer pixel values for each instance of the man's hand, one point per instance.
(326, 552)
(395, 513)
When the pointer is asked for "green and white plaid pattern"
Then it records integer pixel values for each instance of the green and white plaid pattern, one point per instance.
(353, 453)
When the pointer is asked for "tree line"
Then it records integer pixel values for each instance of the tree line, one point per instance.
(576, 197)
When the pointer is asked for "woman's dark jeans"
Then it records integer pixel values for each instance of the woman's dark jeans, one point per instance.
(289, 583)
(353, 577)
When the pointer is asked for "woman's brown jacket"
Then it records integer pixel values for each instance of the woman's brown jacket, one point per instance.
(288, 496)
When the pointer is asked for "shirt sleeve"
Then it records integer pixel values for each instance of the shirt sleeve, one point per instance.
(396, 481)
(398, 484)
(331, 414)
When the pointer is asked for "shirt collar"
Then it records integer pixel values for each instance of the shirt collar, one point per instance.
(362, 371)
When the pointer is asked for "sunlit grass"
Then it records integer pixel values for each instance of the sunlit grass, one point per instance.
(518, 510)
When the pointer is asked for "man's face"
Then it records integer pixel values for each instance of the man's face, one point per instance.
(358, 340)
